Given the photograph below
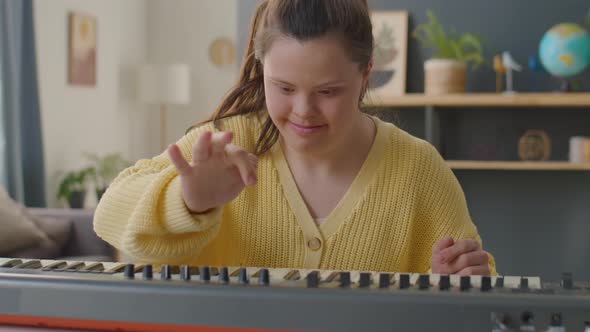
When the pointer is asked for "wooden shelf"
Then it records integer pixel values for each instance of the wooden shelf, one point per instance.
(578, 99)
(518, 165)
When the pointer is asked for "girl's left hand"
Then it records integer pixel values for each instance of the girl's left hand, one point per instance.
(464, 257)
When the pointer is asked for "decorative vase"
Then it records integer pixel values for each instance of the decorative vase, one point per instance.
(76, 199)
(442, 76)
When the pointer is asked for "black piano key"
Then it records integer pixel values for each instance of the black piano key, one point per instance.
(524, 283)
(129, 272)
(263, 277)
(223, 276)
(499, 282)
(404, 281)
(486, 283)
(313, 279)
(364, 280)
(444, 282)
(243, 276)
(205, 274)
(165, 272)
(344, 279)
(384, 280)
(148, 272)
(185, 273)
(465, 283)
(33, 264)
(424, 281)
(567, 280)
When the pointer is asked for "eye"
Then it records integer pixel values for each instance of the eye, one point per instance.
(327, 92)
(285, 89)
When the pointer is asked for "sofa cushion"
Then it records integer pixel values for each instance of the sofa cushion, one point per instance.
(58, 232)
(17, 229)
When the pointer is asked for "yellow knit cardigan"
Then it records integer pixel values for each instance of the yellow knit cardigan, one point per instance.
(402, 201)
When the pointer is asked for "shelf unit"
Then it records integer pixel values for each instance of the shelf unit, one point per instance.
(432, 105)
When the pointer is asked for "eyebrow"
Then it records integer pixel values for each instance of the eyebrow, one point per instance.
(337, 82)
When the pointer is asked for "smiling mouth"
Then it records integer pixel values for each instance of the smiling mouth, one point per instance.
(305, 127)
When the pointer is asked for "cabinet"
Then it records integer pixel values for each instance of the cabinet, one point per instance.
(434, 105)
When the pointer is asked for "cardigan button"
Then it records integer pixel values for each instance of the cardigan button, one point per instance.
(314, 244)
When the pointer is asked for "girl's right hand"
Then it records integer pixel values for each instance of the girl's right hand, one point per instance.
(217, 174)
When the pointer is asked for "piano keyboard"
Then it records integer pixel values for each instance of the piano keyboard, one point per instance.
(126, 296)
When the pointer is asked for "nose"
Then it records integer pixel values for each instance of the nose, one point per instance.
(304, 106)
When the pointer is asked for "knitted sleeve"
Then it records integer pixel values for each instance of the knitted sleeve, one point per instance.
(143, 213)
(442, 208)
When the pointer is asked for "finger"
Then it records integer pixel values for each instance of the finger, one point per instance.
(482, 270)
(253, 160)
(474, 258)
(182, 166)
(443, 243)
(240, 158)
(202, 149)
(219, 141)
(458, 248)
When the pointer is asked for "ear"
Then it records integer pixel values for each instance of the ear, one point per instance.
(367, 71)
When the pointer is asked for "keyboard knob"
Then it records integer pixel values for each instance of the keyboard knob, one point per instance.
(243, 276)
(344, 279)
(148, 272)
(185, 273)
(165, 273)
(205, 274)
(567, 280)
(527, 319)
(404, 281)
(364, 280)
(384, 280)
(465, 283)
(556, 320)
(444, 282)
(223, 275)
(486, 283)
(500, 282)
(313, 279)
(263, 277)
(129, 271)
(424, 281)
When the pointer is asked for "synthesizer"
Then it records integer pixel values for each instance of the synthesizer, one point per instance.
(109, 296)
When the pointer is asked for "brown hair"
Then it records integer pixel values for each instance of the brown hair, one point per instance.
(301, 20)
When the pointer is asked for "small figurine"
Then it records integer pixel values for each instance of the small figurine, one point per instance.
(534, 67)
(500, 70)
(510, 64)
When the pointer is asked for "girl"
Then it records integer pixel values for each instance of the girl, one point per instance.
(290, 173)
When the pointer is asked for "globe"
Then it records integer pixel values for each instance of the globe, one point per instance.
(564, 50)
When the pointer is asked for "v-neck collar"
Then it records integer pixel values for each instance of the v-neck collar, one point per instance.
(346, 204)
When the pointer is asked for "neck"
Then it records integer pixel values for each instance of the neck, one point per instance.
(349, 153)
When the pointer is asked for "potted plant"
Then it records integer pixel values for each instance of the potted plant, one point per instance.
(106, 168)
(445, 72)
(72, 187)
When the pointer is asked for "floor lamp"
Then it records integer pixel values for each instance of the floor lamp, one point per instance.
(164, 85)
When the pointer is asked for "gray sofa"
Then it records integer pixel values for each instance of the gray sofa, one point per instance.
(77, 240)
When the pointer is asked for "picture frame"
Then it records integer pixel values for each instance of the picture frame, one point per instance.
(388, 76)
(82, 49)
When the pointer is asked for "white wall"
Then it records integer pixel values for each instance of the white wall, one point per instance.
(180, 31)
(106, 118)
(77, 119)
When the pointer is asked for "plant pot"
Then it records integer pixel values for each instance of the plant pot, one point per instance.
(99, 193)
(442, 76)
(76, 199)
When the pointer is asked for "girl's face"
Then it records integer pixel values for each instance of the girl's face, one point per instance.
(312, 93)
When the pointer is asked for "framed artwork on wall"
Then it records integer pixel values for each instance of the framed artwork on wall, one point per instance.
(388, 78)
(82, 37)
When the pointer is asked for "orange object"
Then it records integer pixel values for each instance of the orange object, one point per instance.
(99, 325)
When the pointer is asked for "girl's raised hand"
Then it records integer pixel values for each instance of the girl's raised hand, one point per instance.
(217, 173)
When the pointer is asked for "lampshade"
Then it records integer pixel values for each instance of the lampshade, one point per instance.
(164, 84)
